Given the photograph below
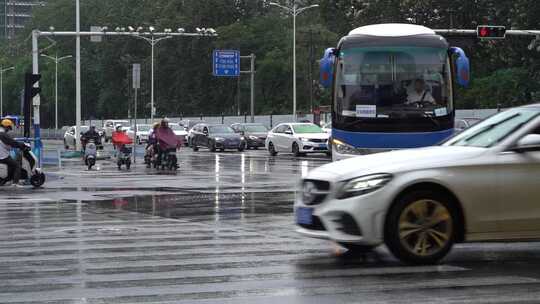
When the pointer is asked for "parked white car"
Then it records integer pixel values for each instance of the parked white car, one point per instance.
(130, 131)
(143, 131)
(481, 185)
(297, 138)
(69, 136)
(180, 132)
(109, 126)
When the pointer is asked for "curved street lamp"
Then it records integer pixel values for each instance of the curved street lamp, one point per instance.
(294, 10)
(56, 60)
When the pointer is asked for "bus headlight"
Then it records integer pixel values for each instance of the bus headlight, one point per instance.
(363, 185)
(343, 148)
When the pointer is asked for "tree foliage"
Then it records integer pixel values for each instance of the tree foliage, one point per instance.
(504, 72)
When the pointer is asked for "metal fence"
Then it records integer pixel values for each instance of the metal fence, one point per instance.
(273, 120)
(267, 120)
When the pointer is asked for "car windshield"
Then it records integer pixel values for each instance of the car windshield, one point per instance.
(143, 128)
(495, 129)
(220, 130)
(307, 129)
(259, 128)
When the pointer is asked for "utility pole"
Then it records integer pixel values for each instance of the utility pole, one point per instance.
(136, 87)
(78, 76)
(252, 81)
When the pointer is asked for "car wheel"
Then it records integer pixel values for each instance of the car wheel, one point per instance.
(194, 147)
(272, 149)
(421, 227)
(212, 147)
(66, 146)
(296, 150)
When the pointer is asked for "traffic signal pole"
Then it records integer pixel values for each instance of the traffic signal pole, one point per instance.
(459, 32)
(78, 34)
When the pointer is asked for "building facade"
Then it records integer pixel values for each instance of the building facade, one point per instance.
(14, 15)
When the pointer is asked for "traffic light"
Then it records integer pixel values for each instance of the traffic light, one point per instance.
(29, 93)
(491, 32)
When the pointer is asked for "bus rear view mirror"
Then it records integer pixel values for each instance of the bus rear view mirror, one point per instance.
(463, 67)
(327, 67)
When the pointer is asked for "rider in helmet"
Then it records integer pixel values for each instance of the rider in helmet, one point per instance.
(6, 144)
(89, 135)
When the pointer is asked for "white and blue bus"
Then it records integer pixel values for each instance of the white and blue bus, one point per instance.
(392, 88)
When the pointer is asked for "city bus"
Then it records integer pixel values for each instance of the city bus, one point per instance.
(392, 88)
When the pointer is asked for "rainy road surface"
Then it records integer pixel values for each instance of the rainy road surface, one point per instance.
(219, 231)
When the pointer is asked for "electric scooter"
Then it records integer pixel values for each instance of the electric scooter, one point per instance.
(29, 170)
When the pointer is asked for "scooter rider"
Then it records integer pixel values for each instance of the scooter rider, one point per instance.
(6, 144)
(91, 134)
(162, 129)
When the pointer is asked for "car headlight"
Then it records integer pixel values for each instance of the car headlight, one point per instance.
(343, 148)
(253, 137)
(303, 139)
(363, 185)
(219, 139)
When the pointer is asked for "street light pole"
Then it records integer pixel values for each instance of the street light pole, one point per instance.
(294, 11)
(2, 88)
(153, 42)
(56, 61)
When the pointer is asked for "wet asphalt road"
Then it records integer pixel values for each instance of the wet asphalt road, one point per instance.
(220, 230)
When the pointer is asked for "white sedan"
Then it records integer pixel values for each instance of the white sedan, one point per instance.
(481, 185)
(297, 138)
(180, 132)
(143, 131)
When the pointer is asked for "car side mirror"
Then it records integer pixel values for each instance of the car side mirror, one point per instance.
(242, 133)
(530, 142)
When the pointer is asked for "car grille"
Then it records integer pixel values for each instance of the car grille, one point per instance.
(314, 191)
(315, 225)
(318, 140)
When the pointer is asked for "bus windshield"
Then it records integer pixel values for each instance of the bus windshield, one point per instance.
(384, 83)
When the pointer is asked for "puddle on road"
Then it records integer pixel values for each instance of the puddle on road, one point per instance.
(206, 206)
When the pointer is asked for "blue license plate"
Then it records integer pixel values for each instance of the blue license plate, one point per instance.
(323, 146)
(304, 215)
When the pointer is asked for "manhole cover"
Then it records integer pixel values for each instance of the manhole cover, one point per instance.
(103, 230)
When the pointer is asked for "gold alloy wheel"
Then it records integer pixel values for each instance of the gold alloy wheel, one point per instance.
(425, 227)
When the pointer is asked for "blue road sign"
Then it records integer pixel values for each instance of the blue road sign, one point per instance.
(226, 63)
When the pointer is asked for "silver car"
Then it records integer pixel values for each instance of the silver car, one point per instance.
(480, 185)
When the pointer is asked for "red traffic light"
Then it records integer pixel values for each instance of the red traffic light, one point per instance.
(491, 32)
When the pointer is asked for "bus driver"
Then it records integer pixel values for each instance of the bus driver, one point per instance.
(419, 93)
